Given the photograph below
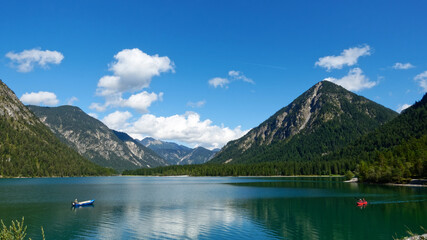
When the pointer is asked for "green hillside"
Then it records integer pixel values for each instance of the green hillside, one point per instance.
(322, 120)
(29, 149)
(396, 151)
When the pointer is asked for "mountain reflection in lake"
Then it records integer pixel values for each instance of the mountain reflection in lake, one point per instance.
(211, 208)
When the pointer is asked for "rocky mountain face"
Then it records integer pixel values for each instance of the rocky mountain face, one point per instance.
(323, 119)
(176, 154)
(12, 108)
(198, 155)
(28, 147)
(95, 141)
(139, 150)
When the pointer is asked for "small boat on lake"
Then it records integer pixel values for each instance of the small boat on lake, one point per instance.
(84, 203)
(362, 203)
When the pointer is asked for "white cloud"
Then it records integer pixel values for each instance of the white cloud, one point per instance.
(347, 57)
(402, 66)
(219, 82)
(72, 100)
(236, 75)
(98, 107)
(197, 104)
(187, 128)
(133, 71)
(422, 80)
(40, 98)
(117, 120)
(26, 59)
(354, 81)
(402, 107)
(140, 101)
(232, 76)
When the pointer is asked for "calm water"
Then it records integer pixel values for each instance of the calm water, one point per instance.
(211, 208)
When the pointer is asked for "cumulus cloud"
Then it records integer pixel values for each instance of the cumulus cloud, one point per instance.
(348, 57)
(196, 104)
(132, 71)
(402, 107)
(98, 107)
(140, 101)
(232, 76)
(117, 120)
(353, 81)
(422, 80)
(187, 128)
(27, 59)
(402, 66)
(219, 82)
(40, 98)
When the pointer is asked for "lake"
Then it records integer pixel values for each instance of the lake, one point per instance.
(211, 208)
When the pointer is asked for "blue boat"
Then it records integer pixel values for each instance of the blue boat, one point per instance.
(84, 203)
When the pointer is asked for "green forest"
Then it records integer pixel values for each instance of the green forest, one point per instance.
(33, 151)
(284, 168)
(395, 152)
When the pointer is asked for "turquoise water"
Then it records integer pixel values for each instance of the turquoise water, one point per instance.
(211, 208)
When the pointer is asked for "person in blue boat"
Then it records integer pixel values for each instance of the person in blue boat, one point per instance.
(75, 201)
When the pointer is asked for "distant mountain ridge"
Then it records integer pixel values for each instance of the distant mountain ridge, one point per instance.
(92, 139)
(28, 148)
(323, 119)
(176, 154)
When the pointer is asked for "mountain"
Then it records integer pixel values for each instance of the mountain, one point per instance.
(322, 120)
(197, 155)
(138, 149)
(28, 148)
(396, 151)
(176, 154)
(93, 140)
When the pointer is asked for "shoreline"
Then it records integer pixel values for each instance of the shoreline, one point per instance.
(404, 185)
(275, 176)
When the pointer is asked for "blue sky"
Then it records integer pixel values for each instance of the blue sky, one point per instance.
(205, 72)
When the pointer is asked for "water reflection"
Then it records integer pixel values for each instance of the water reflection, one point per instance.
(211, 208)
(211, 220)
(330, 212)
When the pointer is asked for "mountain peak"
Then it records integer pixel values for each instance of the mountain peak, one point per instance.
(325, 108)
(176, 154)
(11, 106)
(30, 148)
(148, 141)
(94, 140)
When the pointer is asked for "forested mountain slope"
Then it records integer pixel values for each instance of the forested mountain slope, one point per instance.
(93, 139)
(322, 120)
(28, 148)
(396, 151)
